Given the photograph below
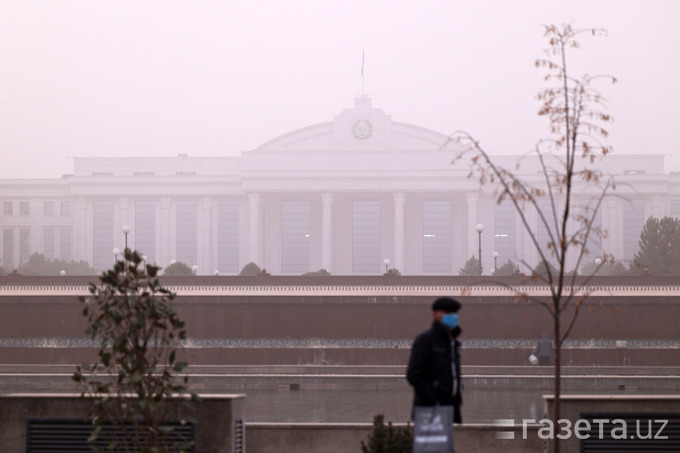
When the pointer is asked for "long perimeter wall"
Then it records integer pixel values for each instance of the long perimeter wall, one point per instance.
(356, 320)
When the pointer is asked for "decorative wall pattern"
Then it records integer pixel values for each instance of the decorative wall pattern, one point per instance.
(346, 343)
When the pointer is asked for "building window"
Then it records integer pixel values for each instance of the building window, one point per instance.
(24, 208)
(65, 244)
(8, 249)
(24, 245)
(295, 237)
(505, 232)
(594, 244)
(366, 237)
(675, 208)
(228, 237)
(187, 232)
(437, 237)
(65, 208)
(48, 243)
(545, 234)
(49, 208)
(633, 222)
(145, 229)
(102, 234)
(8, 208)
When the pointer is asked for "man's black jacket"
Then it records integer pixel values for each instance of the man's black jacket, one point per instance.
(429, 369)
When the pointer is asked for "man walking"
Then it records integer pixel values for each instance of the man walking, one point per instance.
(543, 351)
(434, 365)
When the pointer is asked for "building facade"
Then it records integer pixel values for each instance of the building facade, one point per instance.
(354, 196)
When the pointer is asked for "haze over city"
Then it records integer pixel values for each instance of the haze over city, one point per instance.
(214, 78)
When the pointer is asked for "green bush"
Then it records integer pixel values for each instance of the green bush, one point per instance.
(37, 264)
(178, 268)
(250, 270)
(509, 268)
(388, 438)
(472, 267)
(319, 273)
(132, 318)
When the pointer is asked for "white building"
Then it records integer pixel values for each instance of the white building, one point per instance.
(344, 195)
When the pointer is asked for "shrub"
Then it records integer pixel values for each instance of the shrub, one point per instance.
(471, 267)
(131, 317)
(388, 438)
(251, 269)
(319, 273)
(178, 268)
(509, 268)
(37, 264)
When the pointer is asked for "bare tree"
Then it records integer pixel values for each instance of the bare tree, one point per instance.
(577, 113)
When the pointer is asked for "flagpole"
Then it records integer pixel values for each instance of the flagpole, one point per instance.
(362, 73)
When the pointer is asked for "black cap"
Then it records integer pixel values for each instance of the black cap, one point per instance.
(446, 304)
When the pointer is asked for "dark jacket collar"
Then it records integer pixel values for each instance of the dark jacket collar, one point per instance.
(443, 332)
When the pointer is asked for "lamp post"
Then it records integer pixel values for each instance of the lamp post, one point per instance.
(598, 263)
(479, 229)
(126, 231)
(194, 269)
(387, 264)
(116, 253)
(495, 262)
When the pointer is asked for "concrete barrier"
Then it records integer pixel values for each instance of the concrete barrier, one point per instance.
(573, 408)
(346, 438)
(217, 417)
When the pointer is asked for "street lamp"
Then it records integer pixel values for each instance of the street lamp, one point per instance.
(479, 229)
(116, 253)
(495, 262)
(598, 263)
(126, 231)
(62, 272)
(387, 264)
(194, 269)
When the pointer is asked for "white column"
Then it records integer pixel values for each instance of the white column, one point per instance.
(254, 200)
(124, 219)
(80, 231)
(326, 221)
(472, 215)
(399, 232)
(164, 244)
(614, 239)
(205, 261)
(657, 207)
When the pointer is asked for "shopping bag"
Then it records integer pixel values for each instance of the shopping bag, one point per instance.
(433, 429)
(533, 360)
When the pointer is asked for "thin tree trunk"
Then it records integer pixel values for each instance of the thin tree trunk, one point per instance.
(558, 378)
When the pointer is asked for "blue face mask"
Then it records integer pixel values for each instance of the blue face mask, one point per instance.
(450, 320)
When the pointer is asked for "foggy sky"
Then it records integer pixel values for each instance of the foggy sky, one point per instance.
(211, 78)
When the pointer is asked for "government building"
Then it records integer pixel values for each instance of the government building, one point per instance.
(355, 196)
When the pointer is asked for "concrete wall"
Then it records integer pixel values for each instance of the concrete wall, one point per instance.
(572, 408)
(346, 438)
(212, 316)
(215, 417)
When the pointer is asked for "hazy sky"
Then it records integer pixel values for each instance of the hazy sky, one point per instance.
(207, 78)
